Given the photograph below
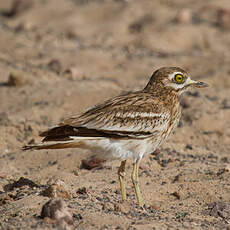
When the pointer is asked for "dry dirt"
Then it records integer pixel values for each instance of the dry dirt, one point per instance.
(58, 57)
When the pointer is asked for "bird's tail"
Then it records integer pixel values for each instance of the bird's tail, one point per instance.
(53, 145)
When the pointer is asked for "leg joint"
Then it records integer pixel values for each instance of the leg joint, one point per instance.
(121, 173)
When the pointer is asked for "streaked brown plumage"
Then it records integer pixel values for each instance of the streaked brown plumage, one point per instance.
(131, 125)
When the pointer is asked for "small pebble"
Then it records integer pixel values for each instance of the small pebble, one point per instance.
(138, 25)
(184, 16)
(224, 18)
(225, 104)
(74, 73)
(17, 7)
(92, 163)
(82, 191)
(176, 178)
(16, 79)
(176, 194)
(4, 199)
(188, 146)
(55, 66)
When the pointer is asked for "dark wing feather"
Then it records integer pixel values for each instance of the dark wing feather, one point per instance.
(65, 133)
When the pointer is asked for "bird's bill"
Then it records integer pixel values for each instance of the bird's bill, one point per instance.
(197, 84)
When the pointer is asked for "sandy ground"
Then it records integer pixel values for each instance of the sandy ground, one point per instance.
(58, 57)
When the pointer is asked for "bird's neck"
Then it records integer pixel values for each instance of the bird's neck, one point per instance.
(159, 90)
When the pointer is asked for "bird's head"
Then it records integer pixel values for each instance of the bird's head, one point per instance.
(173, 78)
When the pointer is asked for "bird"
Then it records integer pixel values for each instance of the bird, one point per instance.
(129, 126)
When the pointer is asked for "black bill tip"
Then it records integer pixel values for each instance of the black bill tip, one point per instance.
(201, 84)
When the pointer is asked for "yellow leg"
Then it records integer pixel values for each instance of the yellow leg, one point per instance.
(135, 181)
(121, 175)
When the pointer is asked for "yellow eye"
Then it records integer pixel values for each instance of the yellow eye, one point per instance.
(178, 78)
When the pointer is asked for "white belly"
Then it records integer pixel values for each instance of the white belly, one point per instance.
(112, 149)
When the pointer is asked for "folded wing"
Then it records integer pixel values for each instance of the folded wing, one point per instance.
(114, 120)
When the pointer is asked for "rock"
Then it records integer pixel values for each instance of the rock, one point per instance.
(25, 26)
(82, 191)
(55, 66)
(153, 208)
(20, 183)
(188, 146)
(227, 167)
(176, 179)
(92, 163)
(225, 104)
(57, 189)
(137, 26)
(75, 172)
(17, 7)
(74, 73)
(184, 16)
(176, 195)
(223, 18)
(4, 199)
(55, 211)
(71, 34)
(16, 79)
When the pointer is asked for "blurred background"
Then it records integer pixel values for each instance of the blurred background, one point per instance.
(58, 57)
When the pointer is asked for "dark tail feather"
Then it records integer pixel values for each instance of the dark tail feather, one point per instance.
(52, 146)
